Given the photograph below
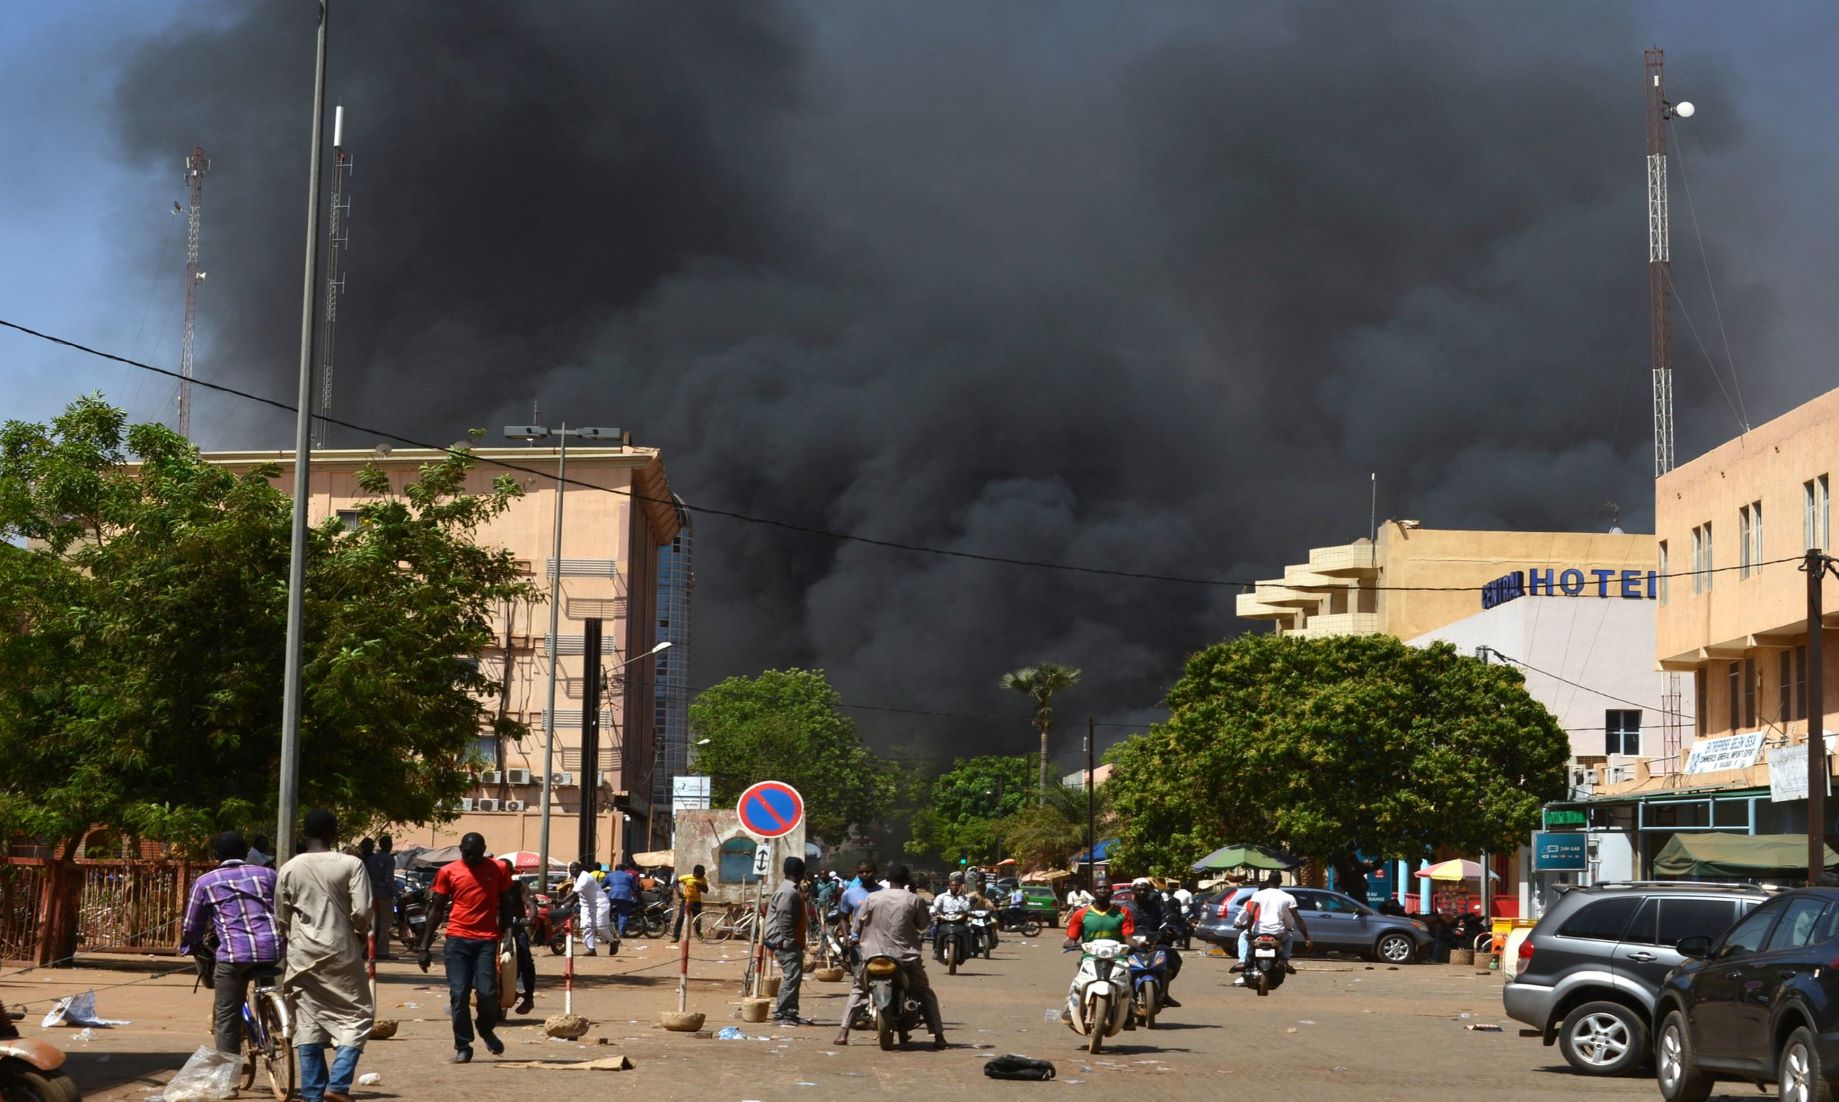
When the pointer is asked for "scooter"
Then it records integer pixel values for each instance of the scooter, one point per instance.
(1264, 971)
(30, 1068)
(1098, 1006)
(1149, 978)
(411, 916)
(892, 1010)
(983, 937)
(953, 940)
(1017, 920)
(549, 926)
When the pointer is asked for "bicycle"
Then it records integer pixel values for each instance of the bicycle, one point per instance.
(267, 1029)
(735, 920)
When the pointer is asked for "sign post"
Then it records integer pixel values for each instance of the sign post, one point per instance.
(768, 810)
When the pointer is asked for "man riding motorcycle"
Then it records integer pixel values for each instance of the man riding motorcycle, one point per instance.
(1152, 919)
(891, 924)
(955, 901)
(1270, 910)
(1099, 920)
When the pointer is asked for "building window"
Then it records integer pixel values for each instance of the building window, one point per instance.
(1622, 731)
(1755, 548)
(1743, 542)
(1798, 695)
(1701, 558)
(1784, 680)
(1661, 574)
(1734, 671)
(1816, 515)
(350, 519)
(1749, 692)
(1701, 706)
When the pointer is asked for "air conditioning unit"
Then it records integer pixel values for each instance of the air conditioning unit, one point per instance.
(466, 803)
(490, 776)
(513, 805)
(562, 780)
(485, 805)
(517, 776)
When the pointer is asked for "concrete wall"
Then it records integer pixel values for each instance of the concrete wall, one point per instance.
(700, 838)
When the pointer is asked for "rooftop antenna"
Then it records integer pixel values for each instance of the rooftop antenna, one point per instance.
(196, 165)
(338, 237)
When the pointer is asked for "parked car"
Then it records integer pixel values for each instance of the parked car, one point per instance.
(1337, 924)
(1757, 1004)
(1589, 972)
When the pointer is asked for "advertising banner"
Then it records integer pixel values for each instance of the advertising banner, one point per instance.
(1560, 852)
(1711, 755)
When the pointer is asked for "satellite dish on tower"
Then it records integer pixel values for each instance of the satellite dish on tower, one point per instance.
(1684, 109)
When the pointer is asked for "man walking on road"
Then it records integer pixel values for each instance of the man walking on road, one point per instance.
(471, 893)
(323, 909)
(236, 900)
(785, 935)
(381, 864)
(520, 936)
(622, 889)
(893, 924)
(591, 910)
(689, 891)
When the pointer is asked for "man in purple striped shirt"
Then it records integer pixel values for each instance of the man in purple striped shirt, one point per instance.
(236, 902)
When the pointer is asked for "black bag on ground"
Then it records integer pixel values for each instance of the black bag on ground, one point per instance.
(1012, 1066)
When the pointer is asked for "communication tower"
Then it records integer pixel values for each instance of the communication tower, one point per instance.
(1660, 326)
(340, 236)
(196, 165)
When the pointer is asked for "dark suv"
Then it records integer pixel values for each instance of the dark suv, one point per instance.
(1759, 1004)
(1591, 969)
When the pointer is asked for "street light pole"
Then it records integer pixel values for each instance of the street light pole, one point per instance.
(288, 802)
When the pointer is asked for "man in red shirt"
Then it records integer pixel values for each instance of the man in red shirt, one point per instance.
(472, 894)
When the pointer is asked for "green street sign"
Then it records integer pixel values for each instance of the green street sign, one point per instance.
(1556, 817)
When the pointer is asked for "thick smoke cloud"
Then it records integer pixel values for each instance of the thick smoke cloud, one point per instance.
(1147, 287)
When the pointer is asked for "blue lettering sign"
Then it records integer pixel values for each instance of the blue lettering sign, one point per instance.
(1539, 581)
(1631, 584)
(1572, 582)
(1602, 581)
(1559, 852)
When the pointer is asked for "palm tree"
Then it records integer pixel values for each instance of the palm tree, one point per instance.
(1039, 683)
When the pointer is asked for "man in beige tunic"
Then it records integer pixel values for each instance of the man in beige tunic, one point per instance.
(323, 909)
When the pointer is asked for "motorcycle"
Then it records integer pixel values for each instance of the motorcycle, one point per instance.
(1017, 920)
(1264, 971)
(1149, 979)
(653, 919)
(30, 1069)
(549, 925)
(953, 940)
(983, 938)
(412, 916)
(892, 1010)
(1098, 1006)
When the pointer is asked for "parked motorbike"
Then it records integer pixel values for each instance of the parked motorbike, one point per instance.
(1264, 971)
(31, 1069)
(1149, 978)
(411, 916)
(1017, 920)
(892, 1010)
(549, 924)
(654, 919)
(983, 936)
(1098, 1006)
(953, 940)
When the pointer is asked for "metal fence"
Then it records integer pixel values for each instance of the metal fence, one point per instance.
(23, 883)
(133, 906)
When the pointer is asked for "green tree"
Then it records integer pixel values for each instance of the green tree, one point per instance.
(1049, 833)
(1328, 747)
(1039, 683)
(144, 594)
(965, 806)
(788, 725)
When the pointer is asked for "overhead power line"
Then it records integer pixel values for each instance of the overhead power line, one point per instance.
(1579, 685)
(793, 526)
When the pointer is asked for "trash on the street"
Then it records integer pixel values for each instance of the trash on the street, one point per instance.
(1483, 1027)
(77, 1010)
(369, 1079)
(605, 1063)
(208, 1075)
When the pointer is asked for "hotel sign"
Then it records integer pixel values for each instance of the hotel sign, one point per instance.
(1631, 585)
(1712, 755)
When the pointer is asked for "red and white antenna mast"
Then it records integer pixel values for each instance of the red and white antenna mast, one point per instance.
(196, 165)
(340, 235)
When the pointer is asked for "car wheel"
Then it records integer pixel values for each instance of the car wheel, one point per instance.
(1395, 949)
(1800, 1077)
(1603, 1038)
(1676, 1069)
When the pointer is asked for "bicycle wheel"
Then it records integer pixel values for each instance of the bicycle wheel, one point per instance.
(711, 926)
(277, 1049)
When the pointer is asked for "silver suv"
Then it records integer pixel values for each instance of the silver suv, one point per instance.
(1591, 969)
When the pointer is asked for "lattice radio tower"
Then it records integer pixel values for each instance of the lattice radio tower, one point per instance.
(1660, 328)
(196, 165)
(340, 236)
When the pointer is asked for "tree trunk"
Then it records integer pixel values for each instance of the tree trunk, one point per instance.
(1043, 727)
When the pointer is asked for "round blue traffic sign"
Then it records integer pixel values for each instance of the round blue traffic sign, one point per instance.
(771, 809)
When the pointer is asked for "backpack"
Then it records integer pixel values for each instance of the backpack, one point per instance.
(1017, 1067)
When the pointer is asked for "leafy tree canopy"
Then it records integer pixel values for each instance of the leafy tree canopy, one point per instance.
(962, 814)
(1326, 747)
(1049, 833)
(788, 725)
(144, 595)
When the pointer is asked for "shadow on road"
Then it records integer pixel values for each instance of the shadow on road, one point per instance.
(99, 1072)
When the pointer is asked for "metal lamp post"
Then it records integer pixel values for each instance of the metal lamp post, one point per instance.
(539, 432)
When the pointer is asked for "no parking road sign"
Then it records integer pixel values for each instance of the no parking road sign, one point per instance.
(771, 809)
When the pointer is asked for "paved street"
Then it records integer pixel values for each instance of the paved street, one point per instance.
(1341, 1029)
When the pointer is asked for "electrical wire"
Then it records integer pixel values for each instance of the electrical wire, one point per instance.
(785, 525)
(1579, 685)
(1743, 414)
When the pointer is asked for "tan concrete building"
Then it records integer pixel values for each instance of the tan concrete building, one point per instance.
(1738, 616)
(1367, 588)
(608, 570)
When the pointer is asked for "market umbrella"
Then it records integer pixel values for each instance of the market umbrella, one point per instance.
(1241, 856)
(656, 859)
(1455, 870)
(524, 860)
(435, 858)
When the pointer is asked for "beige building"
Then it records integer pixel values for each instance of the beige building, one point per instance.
(1737, 614)
(608, 570)
(1415, 580)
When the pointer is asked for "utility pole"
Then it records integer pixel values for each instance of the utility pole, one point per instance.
(337, 238)
(196, 166)
(288, 805)
(1816, 565)
(1091, 809)
(590, 736)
